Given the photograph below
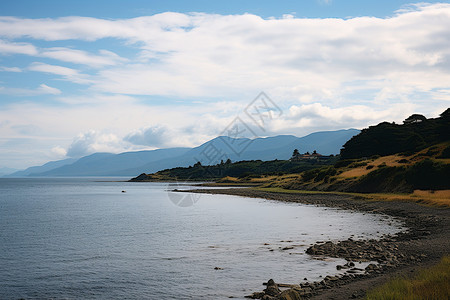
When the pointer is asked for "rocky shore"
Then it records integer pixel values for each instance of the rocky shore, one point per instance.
(425, 241)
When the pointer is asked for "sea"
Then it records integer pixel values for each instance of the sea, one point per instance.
(105, 238)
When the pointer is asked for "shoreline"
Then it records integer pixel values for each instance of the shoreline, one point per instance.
(423, 244)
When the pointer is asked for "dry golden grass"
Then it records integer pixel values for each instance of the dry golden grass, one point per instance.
(433, 198)
(262, 179)
(228, 179)
(355, 172)
(440, 197)
(393, 161)
(431, 283)
(390, 161)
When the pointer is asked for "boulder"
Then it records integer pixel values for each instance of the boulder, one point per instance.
(272, 288)
(291, 294)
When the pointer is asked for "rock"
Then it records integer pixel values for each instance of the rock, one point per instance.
(371, 267)
(256, 295)
(287, 248)
(218, 268)
(272, 288)
(291, 294)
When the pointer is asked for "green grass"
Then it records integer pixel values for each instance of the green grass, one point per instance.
(431, 283)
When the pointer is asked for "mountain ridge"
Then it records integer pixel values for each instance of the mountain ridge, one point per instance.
(150, 161)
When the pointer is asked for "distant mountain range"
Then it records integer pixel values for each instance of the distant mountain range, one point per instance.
(211, 152)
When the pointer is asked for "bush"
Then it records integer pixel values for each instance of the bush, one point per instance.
(429, 175)
(386, 179)
(309, 175)
(343, 163)
(358, 164)
(324, 172)
(445, 153)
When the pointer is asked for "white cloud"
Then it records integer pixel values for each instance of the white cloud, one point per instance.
(306, 118)
(154, 136)
(46, 68)
(325, 73)
(82, 57)
(68, 73)
(10, 69)
(205, 54)
(7, 47)
(43, 89)
(59, 152)
(94, 141)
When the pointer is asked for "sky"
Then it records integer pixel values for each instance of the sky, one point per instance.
(78, 77)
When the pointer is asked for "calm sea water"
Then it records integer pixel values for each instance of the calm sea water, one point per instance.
(84, 238)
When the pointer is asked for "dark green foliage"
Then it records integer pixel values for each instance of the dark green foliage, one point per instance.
(324, 172)
(415, 118)
(309, 175)
(387, 138)
(358, 164)
(445, 153)
(319, 174)
(429, 175)
(343, 163)
(387, 179)
(244, 169)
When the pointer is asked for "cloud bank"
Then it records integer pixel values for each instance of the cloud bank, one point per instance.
(175, 79)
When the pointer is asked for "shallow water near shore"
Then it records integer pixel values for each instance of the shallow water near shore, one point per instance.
(83, 238)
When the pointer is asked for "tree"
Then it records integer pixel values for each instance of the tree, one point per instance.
(296, 153)
(415, 118)
(228, 161)
(446, 114)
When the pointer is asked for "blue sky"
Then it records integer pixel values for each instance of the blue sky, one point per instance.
(78, 77)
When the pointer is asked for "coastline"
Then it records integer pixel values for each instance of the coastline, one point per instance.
(423, 244)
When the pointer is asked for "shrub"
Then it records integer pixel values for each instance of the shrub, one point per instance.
(445, 153)
(343, 163)
(429, 175)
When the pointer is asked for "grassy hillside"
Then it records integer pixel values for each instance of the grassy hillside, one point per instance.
(411, 159)
(428, 169)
